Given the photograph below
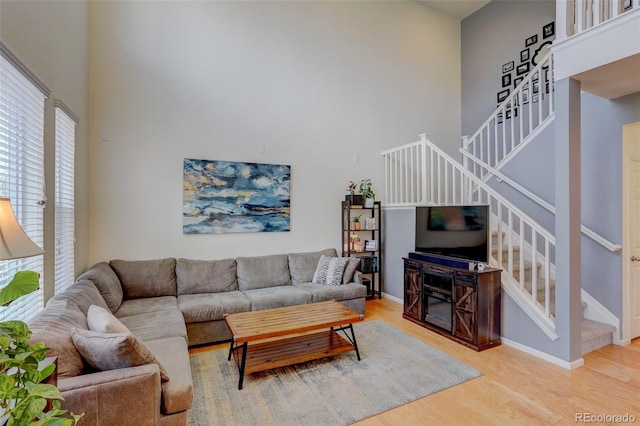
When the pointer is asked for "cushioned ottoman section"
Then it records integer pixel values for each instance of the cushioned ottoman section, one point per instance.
(53, 326)
(146, 278)
(82, 294)
(156, 325)
(322, 293)
(206, 276)
(212, 306)
(201, 333)
(106, 281)
(173, 354)
(277, 297)
(263, 271)
(143, 306)
(303, 265)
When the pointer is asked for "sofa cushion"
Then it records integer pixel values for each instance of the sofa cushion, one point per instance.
(263, 271)
(146, 278)
(53, 327)
(101, 320)
(206, 276)
(277, 297)
(107, 282)
(110, 351)
(303, 265)
(322, 293)
(177, 392)
(212, 306)
(156, 325)
(82, 294)
(146, 305)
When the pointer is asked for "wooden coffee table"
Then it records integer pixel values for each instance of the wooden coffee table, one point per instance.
(290, 335)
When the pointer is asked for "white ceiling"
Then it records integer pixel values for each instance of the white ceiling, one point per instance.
(456, 8)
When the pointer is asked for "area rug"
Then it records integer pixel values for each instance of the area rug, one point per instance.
(395, 369)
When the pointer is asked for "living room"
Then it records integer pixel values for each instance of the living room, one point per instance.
(321, 86)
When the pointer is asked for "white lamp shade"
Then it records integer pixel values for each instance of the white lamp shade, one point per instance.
(14, 243)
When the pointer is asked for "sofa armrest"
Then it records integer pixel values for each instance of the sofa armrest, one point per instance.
(357, 277)
(123, 396)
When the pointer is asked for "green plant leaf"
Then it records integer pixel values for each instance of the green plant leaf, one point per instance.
(24, 282)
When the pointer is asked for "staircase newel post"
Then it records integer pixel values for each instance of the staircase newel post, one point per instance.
(423, 161)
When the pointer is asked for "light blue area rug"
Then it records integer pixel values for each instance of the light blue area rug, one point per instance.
(395, 369)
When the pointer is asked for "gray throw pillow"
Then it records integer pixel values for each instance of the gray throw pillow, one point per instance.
(111, 351)
(350, 269)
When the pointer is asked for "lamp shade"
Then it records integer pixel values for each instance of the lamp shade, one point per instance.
(14, 243)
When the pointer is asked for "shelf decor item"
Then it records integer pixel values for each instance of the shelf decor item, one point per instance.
(356, 222)
(366, 189)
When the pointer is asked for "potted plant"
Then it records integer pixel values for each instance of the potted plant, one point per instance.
(366, 189)
(24, 397)
(352, 198)
(356, 222)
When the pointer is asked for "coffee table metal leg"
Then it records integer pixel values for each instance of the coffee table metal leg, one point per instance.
(351, 339)
(242, 364)
(355, 343)
(230, 350)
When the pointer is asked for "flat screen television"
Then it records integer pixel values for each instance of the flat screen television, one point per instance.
(461, 232)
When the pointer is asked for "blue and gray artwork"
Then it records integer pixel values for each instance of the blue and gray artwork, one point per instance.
(227, 196)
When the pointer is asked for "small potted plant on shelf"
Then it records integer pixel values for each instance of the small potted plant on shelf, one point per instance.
(366, 189)
(356, 222)
(352, 198)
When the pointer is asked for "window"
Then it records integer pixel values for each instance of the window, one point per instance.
(65, 148)
(22, 99)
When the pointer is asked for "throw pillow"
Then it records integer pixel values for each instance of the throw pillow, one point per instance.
(320, 276)
(335, 270)
(350, 269)
(103, 321)
(111, 351)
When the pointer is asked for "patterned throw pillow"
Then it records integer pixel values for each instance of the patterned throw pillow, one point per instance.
(335, 271)
(320, 276)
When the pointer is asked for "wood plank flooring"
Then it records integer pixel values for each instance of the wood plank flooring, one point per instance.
(516, 388)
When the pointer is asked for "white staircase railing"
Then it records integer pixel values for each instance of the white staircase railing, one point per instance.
(581, 15)
(519, 118)
(522, 248)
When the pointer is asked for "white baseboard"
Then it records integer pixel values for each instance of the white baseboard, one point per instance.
(546, 357)
(392, 298)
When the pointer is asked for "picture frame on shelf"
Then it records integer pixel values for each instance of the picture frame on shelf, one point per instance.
(370, 245)
(370, 223)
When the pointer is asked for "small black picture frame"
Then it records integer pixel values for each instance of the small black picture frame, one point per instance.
(517, 81)
(549, 30)
(508, 67)
(626, 4)
(524, 55)
(503, 95)
(506, 80)
(522, 68)
(531, 40)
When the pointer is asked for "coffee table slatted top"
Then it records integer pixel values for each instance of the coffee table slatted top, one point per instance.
(247, 326)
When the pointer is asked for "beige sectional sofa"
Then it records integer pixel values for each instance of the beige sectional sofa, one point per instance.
(169, 305)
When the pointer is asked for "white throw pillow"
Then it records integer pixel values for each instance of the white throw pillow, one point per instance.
(320, 276)
(335, 270)
(103, 321)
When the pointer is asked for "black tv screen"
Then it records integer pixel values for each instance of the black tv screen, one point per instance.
(454, 231)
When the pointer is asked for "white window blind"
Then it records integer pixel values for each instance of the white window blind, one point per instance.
(65, 234)
(22, 173)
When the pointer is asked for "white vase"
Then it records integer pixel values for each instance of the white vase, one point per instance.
(368, 203)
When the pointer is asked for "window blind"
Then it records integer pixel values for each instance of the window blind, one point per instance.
(22, 174)
(64, 194)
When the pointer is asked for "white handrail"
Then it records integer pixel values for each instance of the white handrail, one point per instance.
(541, 202)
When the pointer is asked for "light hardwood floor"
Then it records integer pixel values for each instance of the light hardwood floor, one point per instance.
(516, 388)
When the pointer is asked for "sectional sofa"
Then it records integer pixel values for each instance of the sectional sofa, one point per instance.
(134, 368)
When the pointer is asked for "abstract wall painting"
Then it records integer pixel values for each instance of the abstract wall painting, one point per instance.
(227, 196)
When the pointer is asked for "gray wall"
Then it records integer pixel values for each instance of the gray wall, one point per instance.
(399, 230)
